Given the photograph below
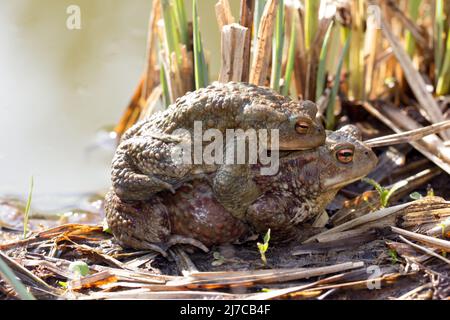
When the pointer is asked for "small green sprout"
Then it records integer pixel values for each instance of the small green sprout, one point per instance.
(105, 227)
(79, 268)
(415, 195)
(444, 227)
(394, 256)
(218, 259)
(263, 247)
(385, 193)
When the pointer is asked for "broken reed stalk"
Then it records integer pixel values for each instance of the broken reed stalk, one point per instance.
(233, 50)
(407, 136)
(261, 61)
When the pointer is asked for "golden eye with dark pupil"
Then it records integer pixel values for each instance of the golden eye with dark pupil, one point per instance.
(302, 126)
(345, 155)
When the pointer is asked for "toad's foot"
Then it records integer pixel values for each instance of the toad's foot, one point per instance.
(177, 239)
(162, 248)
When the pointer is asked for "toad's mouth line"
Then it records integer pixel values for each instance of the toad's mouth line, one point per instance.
(337, 183)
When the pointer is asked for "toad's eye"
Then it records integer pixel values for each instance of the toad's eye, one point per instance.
(302, 126)
(345, 155)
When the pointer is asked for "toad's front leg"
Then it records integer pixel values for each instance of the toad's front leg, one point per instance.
(235, 189)
(278, 211)
(145, 165)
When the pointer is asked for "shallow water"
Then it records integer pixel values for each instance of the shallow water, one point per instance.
(59, 87)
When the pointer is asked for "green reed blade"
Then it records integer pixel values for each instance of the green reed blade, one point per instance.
(8, 275)
(290, 59)
(277, 55)
(413, 13)
(330, 120)
(322, 62)
(200, 68)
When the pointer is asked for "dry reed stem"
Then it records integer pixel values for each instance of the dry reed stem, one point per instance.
(263, 54)
(246, 20)
(223, 13)
(407, 136)
(415, 80)
(419, 147)
(150, 74)
(434, 242)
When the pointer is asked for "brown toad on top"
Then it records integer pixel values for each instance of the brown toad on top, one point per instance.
(306, 182)
(143, 164)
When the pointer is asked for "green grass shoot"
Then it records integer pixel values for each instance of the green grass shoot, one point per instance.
(443, 84)
(290, 60)
(384, 193)
(311, 21)
(413, 13)
(27, 209)
(438, 39)
(165, 87)
(200, 68)
(263, 247)
(182, 24)
(172, 37)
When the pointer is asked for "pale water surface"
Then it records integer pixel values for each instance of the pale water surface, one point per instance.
(60, 87)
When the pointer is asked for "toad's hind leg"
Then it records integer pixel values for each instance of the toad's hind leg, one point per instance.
(143, 225)
(138, 225)
(145, 165)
